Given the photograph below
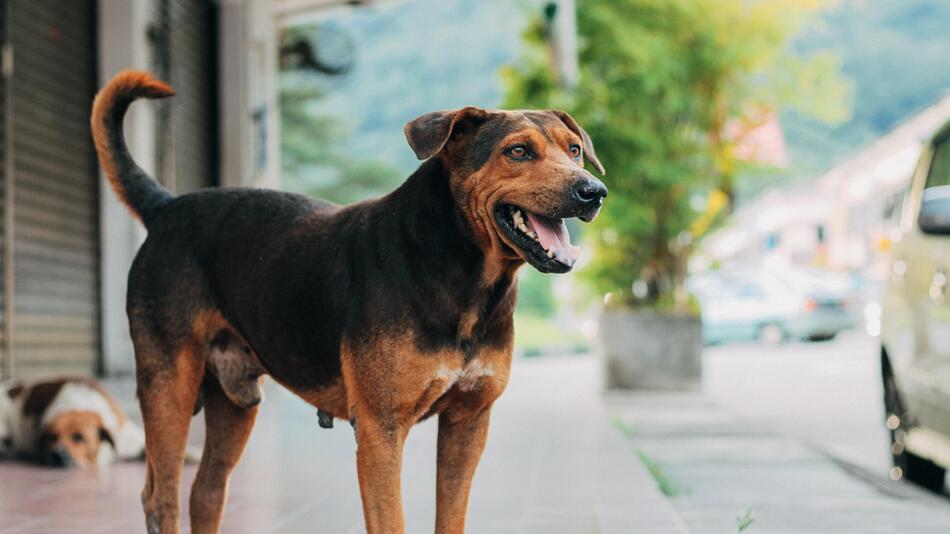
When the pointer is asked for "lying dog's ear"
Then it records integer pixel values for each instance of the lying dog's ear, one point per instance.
(429, 133)
(106, 437)
(588, 144)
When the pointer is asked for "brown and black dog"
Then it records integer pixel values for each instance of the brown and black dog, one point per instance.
(383, 312)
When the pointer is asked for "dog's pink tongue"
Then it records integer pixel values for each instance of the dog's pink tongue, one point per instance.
(553, 235)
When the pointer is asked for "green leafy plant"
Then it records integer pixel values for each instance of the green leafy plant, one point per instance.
(660, 83)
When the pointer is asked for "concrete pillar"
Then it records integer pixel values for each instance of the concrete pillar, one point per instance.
(122, 45)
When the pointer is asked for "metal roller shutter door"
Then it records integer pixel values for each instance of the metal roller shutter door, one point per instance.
(194, 70)
(186, 58)
(55, 323)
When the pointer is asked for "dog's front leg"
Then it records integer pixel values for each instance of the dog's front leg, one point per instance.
(372, 392)
(379, 446)
(461, 442)
(463, 431)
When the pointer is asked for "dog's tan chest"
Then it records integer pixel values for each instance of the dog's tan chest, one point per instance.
(395, 377)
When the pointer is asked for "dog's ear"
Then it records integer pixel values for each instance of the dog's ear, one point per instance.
(588, 144)
(429, 133)
(106, 437)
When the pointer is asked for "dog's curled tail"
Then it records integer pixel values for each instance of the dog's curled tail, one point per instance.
(136, 189)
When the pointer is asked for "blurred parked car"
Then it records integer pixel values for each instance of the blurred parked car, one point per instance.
(770, 306)
(915, 336)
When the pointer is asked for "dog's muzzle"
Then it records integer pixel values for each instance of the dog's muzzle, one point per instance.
(59, 457)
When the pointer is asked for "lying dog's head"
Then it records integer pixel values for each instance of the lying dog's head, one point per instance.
(515, 175)
(73, 439)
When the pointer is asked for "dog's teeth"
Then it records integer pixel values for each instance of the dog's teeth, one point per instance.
(518, 219)
(551, 253)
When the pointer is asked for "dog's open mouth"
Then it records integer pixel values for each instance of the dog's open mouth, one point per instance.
(545, 241)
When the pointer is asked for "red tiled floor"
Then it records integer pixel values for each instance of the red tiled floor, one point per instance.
(553, 464)
(278, 483)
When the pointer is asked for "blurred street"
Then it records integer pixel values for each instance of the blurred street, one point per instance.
(775, 435)
(828, 394)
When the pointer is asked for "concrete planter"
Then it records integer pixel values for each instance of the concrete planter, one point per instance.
(644, 349)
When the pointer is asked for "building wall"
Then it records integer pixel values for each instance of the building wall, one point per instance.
(850, 202)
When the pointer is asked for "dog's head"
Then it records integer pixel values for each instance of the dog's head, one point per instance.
(516, 175)
(73, 439)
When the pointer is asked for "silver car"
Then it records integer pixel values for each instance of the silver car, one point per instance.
(915, 335)
(770, 305)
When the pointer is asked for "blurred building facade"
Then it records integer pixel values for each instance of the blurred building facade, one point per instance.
(66, 242)
(840, 220)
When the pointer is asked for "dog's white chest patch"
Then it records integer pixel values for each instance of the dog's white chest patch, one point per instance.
(466, 377)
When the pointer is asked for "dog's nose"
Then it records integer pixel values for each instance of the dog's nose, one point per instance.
(59, 457)
(589, 191)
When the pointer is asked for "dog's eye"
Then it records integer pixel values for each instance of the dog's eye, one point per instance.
(519, 152)
(78, 438)
(575, 151)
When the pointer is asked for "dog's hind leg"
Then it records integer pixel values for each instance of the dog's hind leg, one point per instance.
(228, 427)
(167, 390)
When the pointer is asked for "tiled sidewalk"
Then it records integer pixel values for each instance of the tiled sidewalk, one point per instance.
(554, 464)
(721, 465)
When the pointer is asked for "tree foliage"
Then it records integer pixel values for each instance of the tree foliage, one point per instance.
(311, 163)
(660, 80)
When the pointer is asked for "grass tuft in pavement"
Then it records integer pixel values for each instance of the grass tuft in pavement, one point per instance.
(745, 520)
(666, 485)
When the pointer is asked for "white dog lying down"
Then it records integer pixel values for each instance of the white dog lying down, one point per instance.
(66, 422)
